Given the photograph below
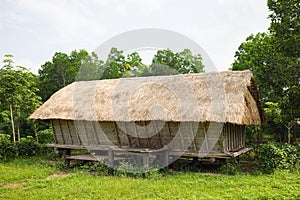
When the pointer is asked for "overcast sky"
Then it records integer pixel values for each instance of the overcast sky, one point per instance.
(33, 30)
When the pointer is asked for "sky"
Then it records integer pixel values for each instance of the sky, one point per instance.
(33, 30)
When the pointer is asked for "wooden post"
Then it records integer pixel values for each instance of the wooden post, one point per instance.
(111, 161)
(146, 160)
(166, 158)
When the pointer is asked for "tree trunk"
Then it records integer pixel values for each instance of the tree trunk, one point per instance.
(12, 123)
(289, 127)
(18, 132)
(289, 134)
(36, 133)
(18, 127)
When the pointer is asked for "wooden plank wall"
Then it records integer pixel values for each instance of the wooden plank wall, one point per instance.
(186, 135)
(234, 137)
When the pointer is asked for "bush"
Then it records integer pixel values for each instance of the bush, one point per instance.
(7, 148)
(28, 147)
(230, 168)
(274, 156)
(61, 165)
(128, 170)
(25, 147)
(45, 136)
(100, 168)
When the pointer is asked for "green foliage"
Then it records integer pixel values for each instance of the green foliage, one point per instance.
(18, 98)
(61, 71)
(118, 65)
(82, 66)
(7, 148)
(230, 168)
(274, 59)
(34, 177)
(61, 165)
(258, 54)
(285, 25)
(128, 170)
(100, 168)
(179, 63)
(28, 147)
(25, 147)
(45, 136)
(135, 65)
(273, 111)
(274, 156)
(91, 68)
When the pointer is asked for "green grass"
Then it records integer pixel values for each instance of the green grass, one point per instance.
(30, 179)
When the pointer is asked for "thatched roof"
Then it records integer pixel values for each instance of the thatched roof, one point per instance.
(220, 97)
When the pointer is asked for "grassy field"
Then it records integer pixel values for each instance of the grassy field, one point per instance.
(36, 178)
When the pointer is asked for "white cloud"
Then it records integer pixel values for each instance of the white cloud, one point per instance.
(122, 9)
(230, 23)
(35, 29)
(65, 22)
(148, 6)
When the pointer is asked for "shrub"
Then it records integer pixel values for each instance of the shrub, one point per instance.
(61, 165)
(274, 156)
(7, 148)
(128, 170)
(100, 168)
(45, 136)
(230, 168)
(28, 147)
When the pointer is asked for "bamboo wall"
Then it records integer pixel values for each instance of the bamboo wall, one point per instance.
(197, 137)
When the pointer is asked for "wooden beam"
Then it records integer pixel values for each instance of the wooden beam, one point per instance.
(128, 136)
(61, 131)
(158, 134)
(69, 132)
(137, 134)
(117, 132)
(54, 132)
(145, 125)
(95, 131)
(193, 142)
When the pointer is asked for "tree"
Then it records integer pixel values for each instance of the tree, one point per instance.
(276, 75)
(135, 64)
(274, 59)
(91, 68)
(115, 65)
(181, 62)
(119, 65)
(80, 65)
(268, 65)
(18, 96)
(285, 25)
(59, 72)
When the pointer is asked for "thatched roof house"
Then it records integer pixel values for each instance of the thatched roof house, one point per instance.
(123, 110)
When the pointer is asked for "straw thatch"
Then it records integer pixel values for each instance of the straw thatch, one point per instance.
(220, 97)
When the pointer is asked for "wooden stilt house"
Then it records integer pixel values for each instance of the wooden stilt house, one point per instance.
(198, 115)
